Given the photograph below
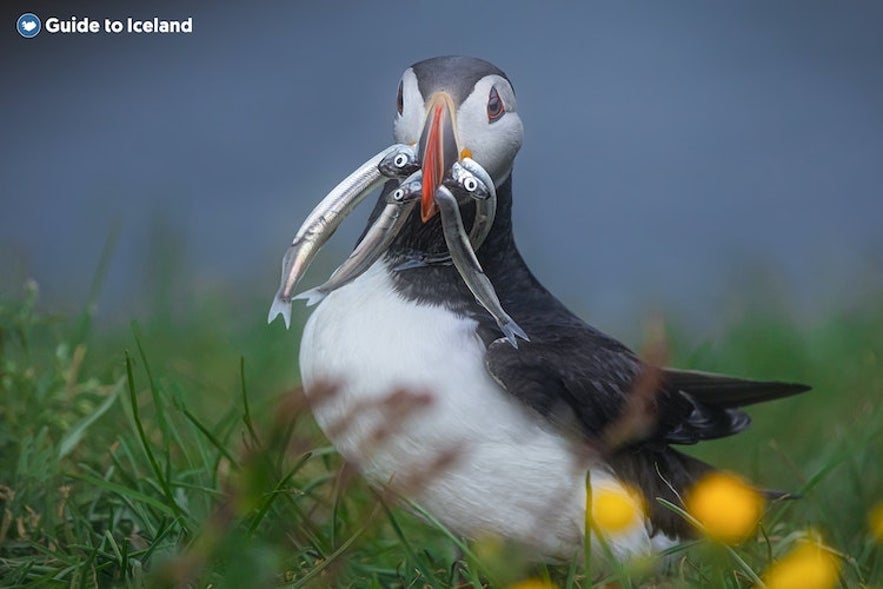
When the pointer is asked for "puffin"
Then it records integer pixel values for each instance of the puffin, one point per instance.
(507, 434)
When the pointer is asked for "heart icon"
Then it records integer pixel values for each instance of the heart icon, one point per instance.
(28, 25)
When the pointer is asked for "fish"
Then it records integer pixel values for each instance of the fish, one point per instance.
(399, 204)
(478, 184)
(321, 224)
(463, 257)
(468, 175)
(400, 163)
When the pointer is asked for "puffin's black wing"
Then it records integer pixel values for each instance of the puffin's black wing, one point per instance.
(584, 381)
(576, 377)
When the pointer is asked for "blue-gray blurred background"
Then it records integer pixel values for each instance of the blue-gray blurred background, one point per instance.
(696, 159)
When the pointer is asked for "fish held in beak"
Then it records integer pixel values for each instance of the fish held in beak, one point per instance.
(321, 223)
(400, 163)
(477, 183)
(399, 204)
(438, 150)
(469, 268)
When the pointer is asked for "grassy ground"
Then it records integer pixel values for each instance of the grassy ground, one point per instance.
(178, 452)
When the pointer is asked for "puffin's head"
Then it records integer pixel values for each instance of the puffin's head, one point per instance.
(454, 107)
(449, 110)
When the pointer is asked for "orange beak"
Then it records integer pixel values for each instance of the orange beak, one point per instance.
(437, 149)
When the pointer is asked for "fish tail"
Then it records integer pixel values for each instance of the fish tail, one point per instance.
(280, 306)
(512, 331)
(312, 296)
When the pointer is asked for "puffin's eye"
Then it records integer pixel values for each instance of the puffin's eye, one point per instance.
(495, 107)
(400, 99)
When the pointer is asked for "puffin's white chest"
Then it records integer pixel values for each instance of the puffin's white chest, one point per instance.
(510, 475)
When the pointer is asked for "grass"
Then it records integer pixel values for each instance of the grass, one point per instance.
(178, 452)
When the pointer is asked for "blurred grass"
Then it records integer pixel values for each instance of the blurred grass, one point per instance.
(178, 452)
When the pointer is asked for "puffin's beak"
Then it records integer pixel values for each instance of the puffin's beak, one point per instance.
(437, 149)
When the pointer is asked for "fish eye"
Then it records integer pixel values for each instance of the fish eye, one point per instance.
(495, 106)
(400, 160)
(470, 184)
(399, 194)
(400, 98)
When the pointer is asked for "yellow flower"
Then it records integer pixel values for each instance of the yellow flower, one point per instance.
(727, 508)
(809, 566)
(875, 522)
(616, 509)
(533, 584)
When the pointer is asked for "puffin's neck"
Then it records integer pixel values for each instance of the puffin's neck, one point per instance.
(442, 285)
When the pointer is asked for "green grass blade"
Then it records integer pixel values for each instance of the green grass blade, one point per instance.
(76, 433)
(315, 571)
(246, 417)
(98, 279)
(409, 550)
(158, 404)
(271, 497)
(145, 443)
(211, 438)
(124, 491)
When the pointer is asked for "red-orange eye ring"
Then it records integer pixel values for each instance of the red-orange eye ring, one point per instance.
(495, 106)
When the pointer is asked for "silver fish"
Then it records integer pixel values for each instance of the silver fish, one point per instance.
(399, 204)
(399, 163)
(321, 224)
(477, 183)
(469, 268)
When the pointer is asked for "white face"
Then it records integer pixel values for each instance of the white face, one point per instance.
(492, 136)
